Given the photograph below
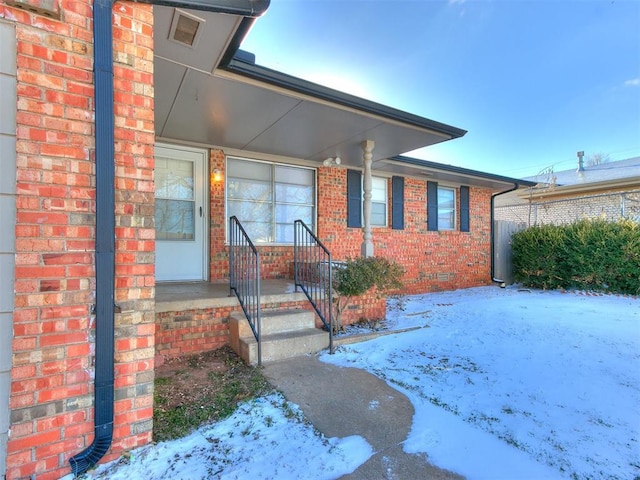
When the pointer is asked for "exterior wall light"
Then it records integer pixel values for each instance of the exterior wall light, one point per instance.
(328, 162)
(217, 175)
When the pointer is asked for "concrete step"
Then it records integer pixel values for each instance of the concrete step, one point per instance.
(278, 346)
(274, 321)
(285, 334)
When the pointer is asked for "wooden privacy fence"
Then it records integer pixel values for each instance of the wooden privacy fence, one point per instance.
(503, 264)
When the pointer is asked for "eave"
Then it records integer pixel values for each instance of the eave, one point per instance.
(549, 191)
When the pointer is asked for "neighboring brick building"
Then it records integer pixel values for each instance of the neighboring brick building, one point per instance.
(92, 217)
(608, 190)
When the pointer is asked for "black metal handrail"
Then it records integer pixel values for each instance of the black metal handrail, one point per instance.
(244, 276)
(312, 273)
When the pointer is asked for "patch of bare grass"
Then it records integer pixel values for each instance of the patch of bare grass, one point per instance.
(202, 388)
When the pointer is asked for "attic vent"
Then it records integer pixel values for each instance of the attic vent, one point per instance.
(186, 29)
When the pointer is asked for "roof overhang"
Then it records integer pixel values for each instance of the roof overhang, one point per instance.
(204, 95)
(437, 172)
(543, 191)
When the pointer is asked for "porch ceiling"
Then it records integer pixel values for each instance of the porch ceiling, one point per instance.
(245, 107)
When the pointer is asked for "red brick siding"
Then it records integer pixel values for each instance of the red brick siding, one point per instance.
(218, 252)
(366, 307)
(187, 332)
(191, 331)
(52, 391)
(433, 261)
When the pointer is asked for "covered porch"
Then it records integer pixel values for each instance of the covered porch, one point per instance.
(216, 109)
(194, 317)
(182, 295)
(217, 103)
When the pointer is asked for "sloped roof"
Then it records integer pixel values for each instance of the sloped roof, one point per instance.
(439, 172)
(617, 175)
(605, 172)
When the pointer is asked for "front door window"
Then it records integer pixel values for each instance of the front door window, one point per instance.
(175, 200)
(181, 213)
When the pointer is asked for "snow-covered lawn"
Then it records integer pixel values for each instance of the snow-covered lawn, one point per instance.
(553, 375)
(505, 384)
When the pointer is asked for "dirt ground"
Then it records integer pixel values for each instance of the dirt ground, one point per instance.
(200, 388)
(190, 374)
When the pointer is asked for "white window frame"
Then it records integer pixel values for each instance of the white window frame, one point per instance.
(272, 202)
(453, 190)
(385, 181)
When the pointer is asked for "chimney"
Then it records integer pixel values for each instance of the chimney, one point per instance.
(580, 162)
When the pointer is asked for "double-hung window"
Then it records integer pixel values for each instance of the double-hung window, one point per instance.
(355, 200)
(446, 208)
(442, 211)
(378, 201)
(267, 198)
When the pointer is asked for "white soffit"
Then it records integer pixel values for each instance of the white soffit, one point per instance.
(230, 110)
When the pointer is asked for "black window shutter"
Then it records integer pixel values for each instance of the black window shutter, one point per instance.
(397, 203)
(464, 209)
(354, 199)
(432, 206)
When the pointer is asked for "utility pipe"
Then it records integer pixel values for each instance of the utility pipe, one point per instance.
(493, 233)
(105, 206)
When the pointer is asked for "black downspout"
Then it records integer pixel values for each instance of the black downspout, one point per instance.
(493, 233)
(105, 210)
(105, 240)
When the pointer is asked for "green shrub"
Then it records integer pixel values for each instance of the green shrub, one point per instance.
(589, 254)
(358, 276)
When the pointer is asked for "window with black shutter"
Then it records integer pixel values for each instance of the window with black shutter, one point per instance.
(442, 208)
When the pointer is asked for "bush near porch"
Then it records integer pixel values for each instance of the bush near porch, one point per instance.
(361, 276)
(590, 254)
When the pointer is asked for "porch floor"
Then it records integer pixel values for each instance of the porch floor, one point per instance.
(171, 297)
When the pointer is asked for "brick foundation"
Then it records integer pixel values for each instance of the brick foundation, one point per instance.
(191, 331)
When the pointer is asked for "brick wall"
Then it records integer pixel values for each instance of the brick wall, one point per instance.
(612, 206)
(433, 261)
(52, 391)
(186, 332)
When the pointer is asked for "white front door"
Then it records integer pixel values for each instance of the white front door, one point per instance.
(181, 213)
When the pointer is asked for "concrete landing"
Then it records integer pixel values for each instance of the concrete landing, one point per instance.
(346, 401)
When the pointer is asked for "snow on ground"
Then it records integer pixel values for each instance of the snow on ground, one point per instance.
(505, 384)
(501, 373)
(266, 438)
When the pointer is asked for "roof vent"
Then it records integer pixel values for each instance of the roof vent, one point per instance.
(580, 162)
(186, 29)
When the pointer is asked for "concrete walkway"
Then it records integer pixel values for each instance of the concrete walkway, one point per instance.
(347, 401)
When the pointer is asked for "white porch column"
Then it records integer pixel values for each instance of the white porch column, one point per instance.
(367, 244)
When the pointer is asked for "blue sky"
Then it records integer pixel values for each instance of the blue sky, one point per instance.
(533, 82)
